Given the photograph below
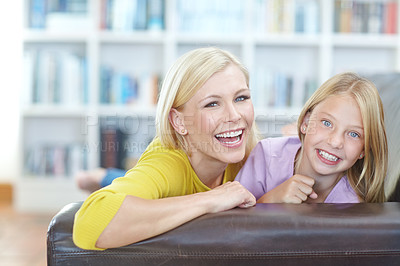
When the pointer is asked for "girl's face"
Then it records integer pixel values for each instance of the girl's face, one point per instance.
(334, 136)
(218, 118)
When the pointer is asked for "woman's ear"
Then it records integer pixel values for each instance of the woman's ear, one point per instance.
(176, 119)
(304, 123)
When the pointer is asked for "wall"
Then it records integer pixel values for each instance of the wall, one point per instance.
(10, 84)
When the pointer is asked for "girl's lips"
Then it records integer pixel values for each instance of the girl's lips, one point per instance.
(231, 139)
(327, 158)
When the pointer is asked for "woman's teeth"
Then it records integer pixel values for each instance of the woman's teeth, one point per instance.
(328, 156)
(230, 134)
(229, 137)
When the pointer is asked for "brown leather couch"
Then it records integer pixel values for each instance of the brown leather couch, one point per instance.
(267, 234)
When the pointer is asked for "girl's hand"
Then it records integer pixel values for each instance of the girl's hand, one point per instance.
(228, 196)
(294, 190)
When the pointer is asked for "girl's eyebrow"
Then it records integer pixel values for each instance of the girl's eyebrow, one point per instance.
(360, 127)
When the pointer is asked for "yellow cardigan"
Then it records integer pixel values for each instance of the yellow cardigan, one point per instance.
(159, 173)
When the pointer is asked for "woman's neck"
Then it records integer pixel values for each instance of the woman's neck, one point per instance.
(208, 170)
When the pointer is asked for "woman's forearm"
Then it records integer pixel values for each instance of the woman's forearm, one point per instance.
(138, 219)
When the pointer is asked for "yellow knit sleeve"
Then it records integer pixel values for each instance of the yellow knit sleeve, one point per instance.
(159, 173)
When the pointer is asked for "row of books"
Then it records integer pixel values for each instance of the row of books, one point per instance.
(49, 14)
(124, 88)
(54, 77)
(288, 16)
(361, 16)
(210, 16)
(130, 15)
(279, 90)
(56, 160)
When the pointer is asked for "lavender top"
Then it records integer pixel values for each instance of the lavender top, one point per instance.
(271, 163)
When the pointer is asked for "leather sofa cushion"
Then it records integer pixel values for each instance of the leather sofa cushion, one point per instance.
(277, 234)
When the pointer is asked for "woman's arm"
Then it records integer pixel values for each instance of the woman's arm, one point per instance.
(138, 219)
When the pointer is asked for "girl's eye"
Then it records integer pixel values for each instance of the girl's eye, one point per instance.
(326, 123)
(242, 98)
(354, 135)
(211, 104)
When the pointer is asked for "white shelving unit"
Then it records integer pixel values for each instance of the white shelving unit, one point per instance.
(313, 55)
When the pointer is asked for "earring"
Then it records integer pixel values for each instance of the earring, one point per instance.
(304, 128)
(361, 156)
(183, 131)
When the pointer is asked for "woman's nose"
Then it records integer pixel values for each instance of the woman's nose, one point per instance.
(232, 113)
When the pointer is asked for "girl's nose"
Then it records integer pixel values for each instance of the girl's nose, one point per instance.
(335, 139)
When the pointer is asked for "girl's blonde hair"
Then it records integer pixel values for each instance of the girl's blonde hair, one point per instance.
(367, 175)
(185, 77)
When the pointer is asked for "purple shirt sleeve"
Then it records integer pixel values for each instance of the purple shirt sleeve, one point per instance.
(254, 172)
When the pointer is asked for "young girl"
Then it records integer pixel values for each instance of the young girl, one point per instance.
(340, 155)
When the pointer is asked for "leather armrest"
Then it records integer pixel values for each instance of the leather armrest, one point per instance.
(277, 234)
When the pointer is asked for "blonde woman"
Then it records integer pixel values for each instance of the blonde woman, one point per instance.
(339, 156)
(204, 134)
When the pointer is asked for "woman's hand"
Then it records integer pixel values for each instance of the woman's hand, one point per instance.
(228, 196)
(294, 190)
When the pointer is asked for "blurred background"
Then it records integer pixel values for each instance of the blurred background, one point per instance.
(80, 77)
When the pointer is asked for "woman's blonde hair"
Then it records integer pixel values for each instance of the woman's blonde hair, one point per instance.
(185, 77)
(367, 175)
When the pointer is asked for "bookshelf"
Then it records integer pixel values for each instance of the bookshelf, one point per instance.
(114, 59)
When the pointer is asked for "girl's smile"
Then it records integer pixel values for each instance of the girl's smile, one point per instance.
(327, 157)
(334, 138)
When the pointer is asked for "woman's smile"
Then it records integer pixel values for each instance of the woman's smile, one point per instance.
(230, 139)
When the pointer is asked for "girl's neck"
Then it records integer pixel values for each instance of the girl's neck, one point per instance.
(323, 183)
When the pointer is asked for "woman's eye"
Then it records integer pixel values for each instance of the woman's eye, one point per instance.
(242, 98)
(354, 135)
(326, 123)
(212, 104)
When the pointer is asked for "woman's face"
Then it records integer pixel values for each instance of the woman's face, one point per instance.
(218, 118)
(334, 137)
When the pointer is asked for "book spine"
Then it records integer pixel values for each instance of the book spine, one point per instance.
(38, 11)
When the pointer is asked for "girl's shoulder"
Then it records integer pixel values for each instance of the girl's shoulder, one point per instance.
(280, 144)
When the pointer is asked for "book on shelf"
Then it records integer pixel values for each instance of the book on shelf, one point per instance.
(209, 16)
(54, 160)
(155, 11)
(358, 16)
(37, 14)
(132, 15)
(124, 138)
(276, 89)
(55, 78)
(120, 88)
(113, 147)
(289, 16)
(58, 14)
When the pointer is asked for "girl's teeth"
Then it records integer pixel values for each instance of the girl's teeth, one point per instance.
(328, 156)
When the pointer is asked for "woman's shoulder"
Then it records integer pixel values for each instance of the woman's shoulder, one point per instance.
(157, 151)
